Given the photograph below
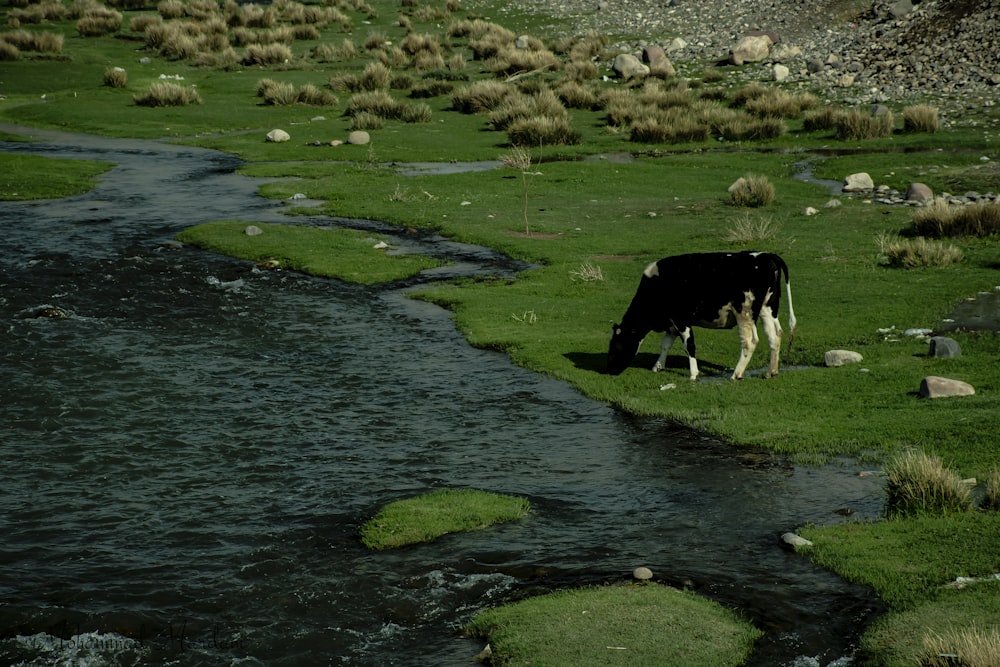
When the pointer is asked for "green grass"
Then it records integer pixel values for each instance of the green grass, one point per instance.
(345, 254)
(613, 216)
(24, 177)
(632, 625)
(910, 564)
(428, 517)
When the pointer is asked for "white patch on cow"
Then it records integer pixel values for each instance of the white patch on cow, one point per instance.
(651, 271)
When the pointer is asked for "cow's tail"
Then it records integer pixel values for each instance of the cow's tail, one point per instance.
(791, 311)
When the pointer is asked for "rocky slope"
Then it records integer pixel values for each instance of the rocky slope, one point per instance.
(857, 51)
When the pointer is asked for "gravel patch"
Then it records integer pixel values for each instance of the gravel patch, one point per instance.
(943, 52)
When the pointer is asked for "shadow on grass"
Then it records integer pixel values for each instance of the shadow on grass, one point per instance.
(597, 362)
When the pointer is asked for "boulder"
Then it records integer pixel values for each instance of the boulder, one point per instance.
(676, 44)
(359, 137)
(834, 358)
(785, 52)
(642, 573)
(942, 347)
(933, 386)
(627, 66)
(919, 192)
(779, 72)
(750, 49)
(278, 136)
(653, 54)
(860, 182)
(252, 230)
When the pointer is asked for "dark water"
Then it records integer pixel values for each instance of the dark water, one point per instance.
(188, 455)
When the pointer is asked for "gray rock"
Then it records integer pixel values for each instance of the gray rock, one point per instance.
(627, 66)
(779, 72)
(919, 192)
(653, 54)
(750, 49)
(942, 347)
(860, 182)
(252, 230)
(359, 137)
(834, 358)
(934, 386)
(642, 573)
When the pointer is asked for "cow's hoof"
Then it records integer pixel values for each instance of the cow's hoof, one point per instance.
(657, 368)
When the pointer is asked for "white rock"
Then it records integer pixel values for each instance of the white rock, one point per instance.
(834, 358)
(860, 182)
(796, 541)
(779, 72)
(642, 573)
(252, 230)
(809, 210)
(278, 136)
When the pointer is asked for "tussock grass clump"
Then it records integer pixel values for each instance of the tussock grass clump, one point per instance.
(37, 13)
(385, 107)
(375, 76)
(8, 52)
(267, 54)
(576, 96)
(481, 96)
(428, 517)
(310, 95)
(98, 22)
(115, 77)
(431, 88)
(143, 21)
(747, 230)
(509, 60)
(962, 647)
(375, 41)
(939, 219)
(365, 120)
(991, 501)
(543, 131)
(917, 484)
(167, 95)
(921, 118)
(776, 103)
(668, 128)
(170, 9)
(857, 125)
(747, 128)
(826, 118)
(39, 42)
(752, 191)
(916, 252)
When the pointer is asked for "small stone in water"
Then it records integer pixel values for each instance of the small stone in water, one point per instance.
(642, 573)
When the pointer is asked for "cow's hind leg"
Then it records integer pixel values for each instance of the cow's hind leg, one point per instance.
(668, 340)
(687, 337)
(748, 343)
(772, 328)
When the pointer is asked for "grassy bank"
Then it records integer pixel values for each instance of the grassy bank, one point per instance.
(591, 204)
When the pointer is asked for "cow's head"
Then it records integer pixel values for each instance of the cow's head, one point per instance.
(623, 348)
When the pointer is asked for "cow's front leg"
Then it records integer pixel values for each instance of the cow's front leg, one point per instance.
(687, 337)
(668, 340)
(748, 343)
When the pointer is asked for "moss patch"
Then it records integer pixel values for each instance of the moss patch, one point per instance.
(631, 625)
(428, 517)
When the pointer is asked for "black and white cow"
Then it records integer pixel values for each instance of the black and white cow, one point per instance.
(718, 290)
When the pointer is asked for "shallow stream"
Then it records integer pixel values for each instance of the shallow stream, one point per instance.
(187, 456)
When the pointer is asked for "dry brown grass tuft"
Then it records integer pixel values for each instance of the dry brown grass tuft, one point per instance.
(917, 483)
(167, 95)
